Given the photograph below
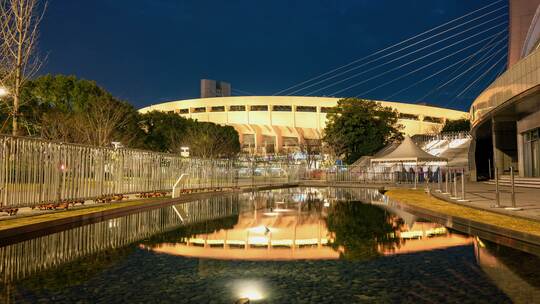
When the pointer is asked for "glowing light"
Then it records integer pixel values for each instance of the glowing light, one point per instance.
(3, 92)
(253, 290)
(283, 210)
(261, 229)
(258, 240)
(327, 204)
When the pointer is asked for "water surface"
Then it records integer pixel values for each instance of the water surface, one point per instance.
(299, 245)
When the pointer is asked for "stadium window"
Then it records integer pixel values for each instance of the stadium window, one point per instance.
(306, 109)
(408, 116)
(199, 110)
(326, 109)
(282, 108)
(237, 108)
(433, 119)
(218, 109)
(258, 108)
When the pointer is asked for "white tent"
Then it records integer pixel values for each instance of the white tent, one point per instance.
(408, 152)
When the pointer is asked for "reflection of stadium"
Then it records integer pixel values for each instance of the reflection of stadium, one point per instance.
(286, 231)
(268, 124)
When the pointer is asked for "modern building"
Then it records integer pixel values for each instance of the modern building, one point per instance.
(505, 117)
(272, 124)
(213, 88)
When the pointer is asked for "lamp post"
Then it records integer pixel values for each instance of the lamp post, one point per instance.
(3, 92)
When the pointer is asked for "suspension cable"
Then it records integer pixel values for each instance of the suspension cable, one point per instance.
(481, 77)
(481, 60)
(393, 60)
(420, 58)
(389, 47)
(422, 67)
(450, 66)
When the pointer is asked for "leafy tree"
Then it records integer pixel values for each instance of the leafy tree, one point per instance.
(209, 140)
(458, 125)
(164, 131)
(76, 110)
(358, 127)
(362, 230)
(69, 109)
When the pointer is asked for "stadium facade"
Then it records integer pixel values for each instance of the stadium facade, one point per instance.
(274, 124)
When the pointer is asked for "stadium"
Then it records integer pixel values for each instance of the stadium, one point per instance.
(275, 124)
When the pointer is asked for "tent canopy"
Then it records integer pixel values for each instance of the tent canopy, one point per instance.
(408, 151)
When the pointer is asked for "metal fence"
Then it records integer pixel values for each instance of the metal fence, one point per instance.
(414, 175)
(34, 172)
(27, 257)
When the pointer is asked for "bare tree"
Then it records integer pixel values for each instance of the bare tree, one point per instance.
(311, 148)
(208, 140)
(19, 24)
(100, 124)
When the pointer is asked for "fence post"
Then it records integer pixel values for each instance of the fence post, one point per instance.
(497, 197)
(513, 187)
(446, 181)
(463, 193)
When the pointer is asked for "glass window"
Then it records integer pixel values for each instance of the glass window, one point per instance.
(306, 109)
(237, 108)
(258, 108)
(199, 110)
(408, 116)
(282, 108)
(433, 119)
(184, 111)
(218, 109)
(326, 109)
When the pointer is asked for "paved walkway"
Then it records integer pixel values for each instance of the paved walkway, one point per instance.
(482, 196)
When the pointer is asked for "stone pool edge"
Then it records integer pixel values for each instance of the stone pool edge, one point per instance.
(14, 234)
(471, 226)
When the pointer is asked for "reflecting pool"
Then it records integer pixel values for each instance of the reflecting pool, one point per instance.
(297, 245)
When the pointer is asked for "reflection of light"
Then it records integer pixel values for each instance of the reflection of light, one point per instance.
(283, 210)
(271, 213)
(258, 240)
(261, 229)
(327, 204)
(253, 290)
(480, 242)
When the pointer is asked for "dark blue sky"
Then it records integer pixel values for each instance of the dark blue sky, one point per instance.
(149, 51)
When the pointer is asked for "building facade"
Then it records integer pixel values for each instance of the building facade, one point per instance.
(505, 117)
(274, 124)
(212, 88)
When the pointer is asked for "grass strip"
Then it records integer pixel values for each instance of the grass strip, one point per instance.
(28, 220)
(421, 199)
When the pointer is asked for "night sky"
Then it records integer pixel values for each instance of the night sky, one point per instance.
(150, 51)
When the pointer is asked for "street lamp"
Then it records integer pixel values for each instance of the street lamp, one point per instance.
(3, 92)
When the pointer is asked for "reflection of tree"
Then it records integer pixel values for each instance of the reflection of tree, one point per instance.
(362, 230)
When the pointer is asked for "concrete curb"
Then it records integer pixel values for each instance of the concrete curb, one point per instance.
(492, 210)
(516, 239)
(17, 234)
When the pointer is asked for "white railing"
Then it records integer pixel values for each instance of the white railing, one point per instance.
(35, 172)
